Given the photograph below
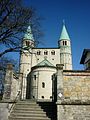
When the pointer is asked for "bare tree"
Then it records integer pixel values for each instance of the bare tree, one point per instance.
(14, 19)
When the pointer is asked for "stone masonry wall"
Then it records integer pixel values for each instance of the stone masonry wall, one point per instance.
(76, 85)
(14, 87)
(74, 112)
(11, 84)
(75, 103)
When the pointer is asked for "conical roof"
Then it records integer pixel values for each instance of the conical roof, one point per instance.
(28, 35)
(64, 34)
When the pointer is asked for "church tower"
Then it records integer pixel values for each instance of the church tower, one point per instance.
(64, 44)
(26, 58)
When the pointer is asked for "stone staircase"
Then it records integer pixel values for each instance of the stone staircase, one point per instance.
(30, 110)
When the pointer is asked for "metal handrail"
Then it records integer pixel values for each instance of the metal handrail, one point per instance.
(18, 94)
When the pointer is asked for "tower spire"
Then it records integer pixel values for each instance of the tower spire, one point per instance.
(28, 39)
(64, 34)
(28, 35)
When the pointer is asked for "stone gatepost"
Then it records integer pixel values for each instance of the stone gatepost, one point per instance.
(20, 84)
(3, 111)
(8, 82)
(60, 96)
(59, 68)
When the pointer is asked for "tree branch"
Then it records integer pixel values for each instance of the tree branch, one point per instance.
(9, 50)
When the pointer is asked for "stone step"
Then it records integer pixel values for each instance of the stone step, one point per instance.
(29, 118)
(27, 102)
(31, 110)
(28, 115)
(24, 112)
(27, 106)
(28, 109)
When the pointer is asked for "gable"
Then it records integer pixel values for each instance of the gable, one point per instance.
(45, 62)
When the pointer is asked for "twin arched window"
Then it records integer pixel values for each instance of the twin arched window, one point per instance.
(64, 42)
(53, 52)
(38, 52)
(45, 52)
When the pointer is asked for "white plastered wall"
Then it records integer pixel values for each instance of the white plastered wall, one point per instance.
(43, 75)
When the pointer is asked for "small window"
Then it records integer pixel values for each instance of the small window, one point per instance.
(53, 52)
(50, 97)
(34, 77)
(38, 52)
(43, 97)
(45, 52)
(43, 85)
(27, 43)
(33, 97)
(65, 42)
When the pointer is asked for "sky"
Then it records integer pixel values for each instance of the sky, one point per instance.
(76, 14)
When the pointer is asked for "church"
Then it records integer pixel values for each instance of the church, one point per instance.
(39, 64)
(47, 88)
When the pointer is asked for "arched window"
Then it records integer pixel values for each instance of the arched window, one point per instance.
(27, 43)
(45, 52)
(43, 85)
(43, 97)
(53, 52)
(38, 52)
(34, 77)
(65, 42)
(50, 97)
(33, 96)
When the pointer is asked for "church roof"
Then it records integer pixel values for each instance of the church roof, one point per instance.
(64, 34)
(28, 35)
(46, 63)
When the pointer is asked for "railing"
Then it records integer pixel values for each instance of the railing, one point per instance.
(13, 103)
